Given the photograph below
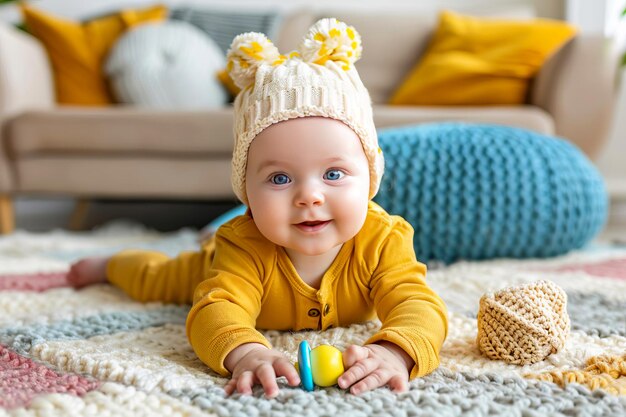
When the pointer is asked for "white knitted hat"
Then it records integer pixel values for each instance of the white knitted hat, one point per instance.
(317, 80)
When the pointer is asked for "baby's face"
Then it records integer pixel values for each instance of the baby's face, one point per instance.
(307, 181)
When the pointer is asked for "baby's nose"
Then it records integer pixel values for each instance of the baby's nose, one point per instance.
(309, 194)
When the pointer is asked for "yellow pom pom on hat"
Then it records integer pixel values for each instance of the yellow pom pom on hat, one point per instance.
(319, 79)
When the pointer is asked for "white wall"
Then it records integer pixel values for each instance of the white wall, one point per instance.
(611, 161)
(595, 16)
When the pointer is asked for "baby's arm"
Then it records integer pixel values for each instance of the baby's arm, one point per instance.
(414, 320)
(254, 363)
(221, 323)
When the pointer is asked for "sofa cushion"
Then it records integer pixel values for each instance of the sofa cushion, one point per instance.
(223, 25)
(124, 131)
(131, 177)
(528, 117)
(171, 65)
(76, 50)
(476, 61)
(292, 28)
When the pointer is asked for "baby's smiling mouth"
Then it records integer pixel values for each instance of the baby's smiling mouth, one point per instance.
(312, 226)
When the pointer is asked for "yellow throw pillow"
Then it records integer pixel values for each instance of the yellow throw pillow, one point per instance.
(228, 82)
(77, 50)
(481, 61)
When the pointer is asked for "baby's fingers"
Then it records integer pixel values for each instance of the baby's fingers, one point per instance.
(266, 375)
(245, 382)
(229, 388)
(284, 368)
(398, 384)
(357, 371)
(353, 354)
(372, 381)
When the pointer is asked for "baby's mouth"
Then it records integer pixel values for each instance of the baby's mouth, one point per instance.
(312, 226)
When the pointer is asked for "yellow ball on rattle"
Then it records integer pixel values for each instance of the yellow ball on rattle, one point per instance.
(321, 366)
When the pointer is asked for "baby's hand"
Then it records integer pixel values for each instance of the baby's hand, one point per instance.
(88, 271)
(372, 366)
(253, 363)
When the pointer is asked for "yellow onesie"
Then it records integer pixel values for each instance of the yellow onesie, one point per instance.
(241, 282)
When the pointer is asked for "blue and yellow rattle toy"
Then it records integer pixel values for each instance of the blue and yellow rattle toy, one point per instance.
(321, 366)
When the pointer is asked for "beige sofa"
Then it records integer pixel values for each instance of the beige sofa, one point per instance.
(133, 153)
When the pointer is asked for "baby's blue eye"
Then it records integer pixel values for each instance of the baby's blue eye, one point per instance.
(280, 179)
(333, 175)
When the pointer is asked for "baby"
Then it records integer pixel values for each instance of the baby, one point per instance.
(312, 251)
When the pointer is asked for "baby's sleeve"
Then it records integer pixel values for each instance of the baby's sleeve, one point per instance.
(227, 304)
(413, 316)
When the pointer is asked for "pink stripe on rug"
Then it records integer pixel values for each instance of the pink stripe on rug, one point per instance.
(37, 282)
(613, 268)
(21, 380)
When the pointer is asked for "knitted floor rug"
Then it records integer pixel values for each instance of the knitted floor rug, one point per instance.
(97, 352)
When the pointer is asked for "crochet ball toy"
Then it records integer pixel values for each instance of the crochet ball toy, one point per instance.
(523, 325)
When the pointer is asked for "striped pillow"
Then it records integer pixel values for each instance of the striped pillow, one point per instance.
(222, 25)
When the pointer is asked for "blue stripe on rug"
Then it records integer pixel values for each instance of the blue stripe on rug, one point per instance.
(22, 339)
(596, 315)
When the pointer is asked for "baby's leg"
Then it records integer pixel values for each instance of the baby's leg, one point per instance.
(88, 271)
(147, 276)
(153, 276)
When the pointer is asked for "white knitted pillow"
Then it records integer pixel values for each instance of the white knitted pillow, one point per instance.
(170, 65)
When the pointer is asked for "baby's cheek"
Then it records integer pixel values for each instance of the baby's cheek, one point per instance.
(352, 215)
(266, 226)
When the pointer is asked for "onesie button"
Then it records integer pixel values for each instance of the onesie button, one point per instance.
(314, 312)
(326, 309)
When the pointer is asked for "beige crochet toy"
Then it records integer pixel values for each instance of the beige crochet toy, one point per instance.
(523, 325)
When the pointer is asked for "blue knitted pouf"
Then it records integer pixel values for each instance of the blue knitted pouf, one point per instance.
(485, 191)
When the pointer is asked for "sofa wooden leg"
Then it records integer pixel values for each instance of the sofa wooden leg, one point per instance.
(7, 217)
(79, 215)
